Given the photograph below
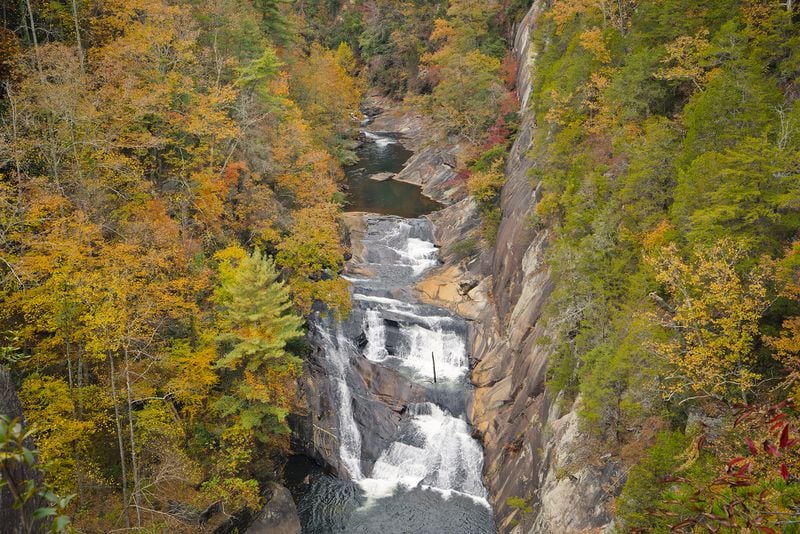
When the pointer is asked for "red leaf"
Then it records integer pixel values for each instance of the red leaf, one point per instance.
(767, 530)
(735, 460)
(785, 472)
(775, 426)
(743, 470)
(776, 418)
(771, 449)
(751, 446)
(784, 436)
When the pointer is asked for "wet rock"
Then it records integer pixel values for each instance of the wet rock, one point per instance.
(279, 516)
(382, 176)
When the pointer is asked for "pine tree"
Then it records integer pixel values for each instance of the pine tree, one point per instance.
(256, 318)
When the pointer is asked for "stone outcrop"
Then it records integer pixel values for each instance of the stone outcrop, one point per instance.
(434, 169)
(279, 516)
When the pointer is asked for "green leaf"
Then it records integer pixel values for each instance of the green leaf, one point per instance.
(41, 513)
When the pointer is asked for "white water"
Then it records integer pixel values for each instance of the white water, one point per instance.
(436, 451)
(349, 435)
(379, 140)
(426, 344)
(376, 336)
(421, 255)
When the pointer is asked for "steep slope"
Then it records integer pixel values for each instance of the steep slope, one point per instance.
(528, 445)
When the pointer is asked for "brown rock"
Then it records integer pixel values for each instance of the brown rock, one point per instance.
(279, 516)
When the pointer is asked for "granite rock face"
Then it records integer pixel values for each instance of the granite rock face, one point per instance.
(531, 448)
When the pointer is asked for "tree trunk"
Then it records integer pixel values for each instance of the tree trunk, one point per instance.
(78, 34)
(33, 32)
(136, 486)
(123, 468)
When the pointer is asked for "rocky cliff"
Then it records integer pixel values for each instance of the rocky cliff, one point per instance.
(536, 477)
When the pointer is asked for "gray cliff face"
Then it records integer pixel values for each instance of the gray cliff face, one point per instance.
(530, 447)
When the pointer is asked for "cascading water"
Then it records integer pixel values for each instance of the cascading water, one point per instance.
(376, 336)
(337, 351)
(434, 449)
(380, 140)
(414, 467)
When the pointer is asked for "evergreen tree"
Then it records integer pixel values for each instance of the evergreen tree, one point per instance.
(255, 314)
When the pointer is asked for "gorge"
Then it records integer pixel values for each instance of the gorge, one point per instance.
(389, 419)
(390, 266)
(398, 428)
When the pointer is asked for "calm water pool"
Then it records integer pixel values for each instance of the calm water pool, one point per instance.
(377, 155)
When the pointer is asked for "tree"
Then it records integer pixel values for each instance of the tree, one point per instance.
(467, 99)
(714, 312)
(749, 190)
(329, 96)
(17, 460)
(312, 255)
(256, 324)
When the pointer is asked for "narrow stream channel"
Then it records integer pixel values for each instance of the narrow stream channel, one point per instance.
(428, 477)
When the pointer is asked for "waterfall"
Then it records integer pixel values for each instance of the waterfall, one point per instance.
(376, 336)
(380, 140)
(425, 344)
(426, 460)
(349, 435)
(434, 449)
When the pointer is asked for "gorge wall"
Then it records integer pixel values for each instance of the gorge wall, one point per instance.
(531, 444)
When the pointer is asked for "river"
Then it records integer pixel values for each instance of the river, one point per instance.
(428, 477)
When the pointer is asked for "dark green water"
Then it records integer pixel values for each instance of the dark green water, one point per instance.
(388, 197)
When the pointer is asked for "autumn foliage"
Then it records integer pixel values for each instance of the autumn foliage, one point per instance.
(164, 167)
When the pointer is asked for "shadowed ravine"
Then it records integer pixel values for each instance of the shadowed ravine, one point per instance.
(426, 475)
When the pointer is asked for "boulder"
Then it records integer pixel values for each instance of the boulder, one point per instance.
(279, 515)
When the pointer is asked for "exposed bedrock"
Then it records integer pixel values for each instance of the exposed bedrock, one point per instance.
(531, 448)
